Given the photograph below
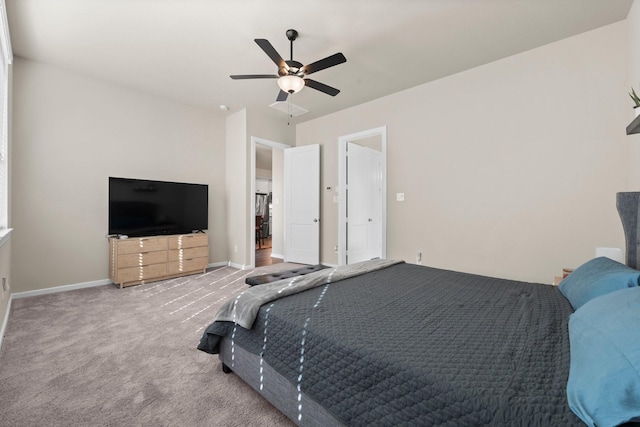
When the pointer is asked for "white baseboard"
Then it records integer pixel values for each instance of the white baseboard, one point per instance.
(218, 264)
(75, 286)
(18, 295)
(238, 266)
(280, 256)
(3, 326)
(62, 288)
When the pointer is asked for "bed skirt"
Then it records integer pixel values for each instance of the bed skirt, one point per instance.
(276, 389)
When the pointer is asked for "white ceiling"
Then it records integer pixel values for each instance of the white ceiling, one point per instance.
(185, 50)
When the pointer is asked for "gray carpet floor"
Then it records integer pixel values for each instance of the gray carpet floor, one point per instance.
(105, 356)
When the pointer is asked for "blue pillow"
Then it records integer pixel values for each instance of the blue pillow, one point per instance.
(604, 377)
(597, 277)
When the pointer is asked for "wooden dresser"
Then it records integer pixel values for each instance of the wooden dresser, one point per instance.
(139, 260)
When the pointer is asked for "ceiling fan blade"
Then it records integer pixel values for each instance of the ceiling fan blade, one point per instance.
(254, 76)
(327, 62)
(272, 53)
(321, 87)
(282, 96)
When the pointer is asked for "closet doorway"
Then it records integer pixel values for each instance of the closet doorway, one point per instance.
(263, 210)
(362, 208)
(267, 182)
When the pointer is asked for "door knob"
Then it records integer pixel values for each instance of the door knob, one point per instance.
(315, 220)
(370, 220)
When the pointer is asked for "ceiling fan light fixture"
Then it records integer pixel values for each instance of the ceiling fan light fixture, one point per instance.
(292, 75)
(291, 84)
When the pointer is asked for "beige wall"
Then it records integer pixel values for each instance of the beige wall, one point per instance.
(241, 126)
(236, 187)
(509, 169)
(633, 79)
(264, 173)
(70, 133)
(273, 126)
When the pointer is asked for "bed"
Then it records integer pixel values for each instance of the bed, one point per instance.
(390, 343)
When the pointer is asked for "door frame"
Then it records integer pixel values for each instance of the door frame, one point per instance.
(252, 188)
(342, 182)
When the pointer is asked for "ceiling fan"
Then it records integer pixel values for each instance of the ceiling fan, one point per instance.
(292, 75)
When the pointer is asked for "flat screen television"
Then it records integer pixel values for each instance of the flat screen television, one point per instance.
(146, 208)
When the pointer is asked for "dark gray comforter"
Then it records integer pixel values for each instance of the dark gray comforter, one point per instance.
(412, 345)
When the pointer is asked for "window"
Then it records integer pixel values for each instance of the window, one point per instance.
(6, 57)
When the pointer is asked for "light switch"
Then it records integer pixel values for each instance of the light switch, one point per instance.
(400, 197)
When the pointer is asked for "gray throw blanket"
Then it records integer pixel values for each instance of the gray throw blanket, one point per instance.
(243, 309)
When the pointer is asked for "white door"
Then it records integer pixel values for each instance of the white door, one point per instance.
(302, 204)
(364, 203)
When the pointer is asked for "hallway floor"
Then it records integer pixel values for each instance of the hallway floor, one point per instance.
(263, 254)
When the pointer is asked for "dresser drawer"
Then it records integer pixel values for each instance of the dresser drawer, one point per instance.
(143, 244)
(195, 264)
(143, 258)
(182, 254)
(188, 241)
(133, 274)
(147, 259)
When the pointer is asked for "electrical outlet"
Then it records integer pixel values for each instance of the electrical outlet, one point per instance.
(5, 284)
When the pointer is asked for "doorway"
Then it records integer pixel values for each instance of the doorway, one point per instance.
(266, 195)
(362, 208)
(263, 207)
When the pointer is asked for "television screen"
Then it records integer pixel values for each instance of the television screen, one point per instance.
(146, 208)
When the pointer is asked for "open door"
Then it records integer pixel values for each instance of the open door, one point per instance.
(364, 203)
(302, 204)
(362, 192)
